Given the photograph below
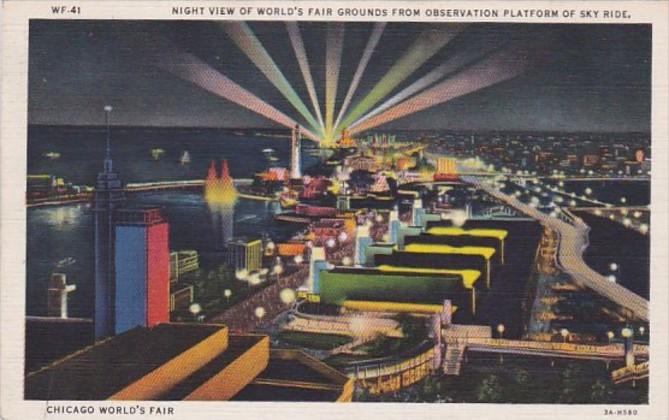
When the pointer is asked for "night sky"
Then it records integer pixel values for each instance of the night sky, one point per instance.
(581, 77)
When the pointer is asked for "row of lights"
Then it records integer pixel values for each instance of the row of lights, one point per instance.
(625, 332)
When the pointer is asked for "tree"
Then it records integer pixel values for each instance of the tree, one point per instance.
(572, 392)
(490, 390)
(600, 392)
(523, 390)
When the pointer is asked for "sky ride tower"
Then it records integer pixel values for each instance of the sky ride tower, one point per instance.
(108, 197)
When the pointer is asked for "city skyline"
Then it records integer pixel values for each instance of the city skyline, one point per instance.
(611, 64)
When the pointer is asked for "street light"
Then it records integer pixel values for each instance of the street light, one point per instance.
(610, 335)
(241, 274)
(195, 309)
(343, 237)
(628, 334)
(500, 330)
(564, 333)
(642, 330)
(277, 269)
(227, 293)
(613, 266)
(287, 296)
(259, 313)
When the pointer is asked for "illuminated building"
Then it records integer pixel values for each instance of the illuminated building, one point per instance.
(183, 262)
(196, 362)
(393, 225)
(362, 241)
(446, 169)
(380, 184)
(399, 284)
(108, 197)
(317, 264)
(142, 265)
(181, 296)
(245, 254)
(325, 229)
(295, 145)
(378, 248)
(360, 162)
(343, 202)
(417, 212)
(346, 141)
(290, 249)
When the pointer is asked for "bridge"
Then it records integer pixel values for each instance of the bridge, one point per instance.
(548, 349)
(573, 240)
(173, 185)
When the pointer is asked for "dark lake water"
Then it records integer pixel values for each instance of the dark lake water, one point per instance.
(82, 151)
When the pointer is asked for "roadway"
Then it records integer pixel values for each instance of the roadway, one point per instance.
(550, 349)
(573, 242)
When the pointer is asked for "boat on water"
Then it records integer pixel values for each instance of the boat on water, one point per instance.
(65, 262)
(288, 200)
(185, 158)
(157, 153)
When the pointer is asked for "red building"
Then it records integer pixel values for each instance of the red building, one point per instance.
(142, 264)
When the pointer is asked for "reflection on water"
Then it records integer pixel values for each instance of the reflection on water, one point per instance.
(222, 219)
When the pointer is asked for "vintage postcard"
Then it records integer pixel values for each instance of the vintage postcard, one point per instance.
(260, 209)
